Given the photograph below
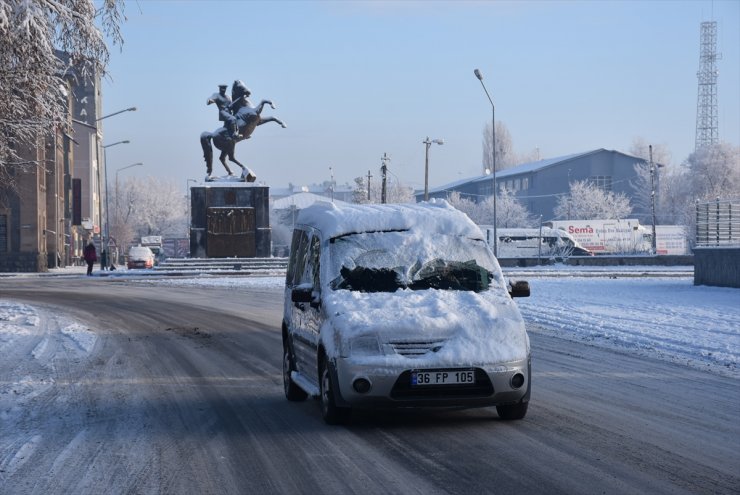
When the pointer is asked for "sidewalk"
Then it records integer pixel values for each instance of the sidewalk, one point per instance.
(66, 271)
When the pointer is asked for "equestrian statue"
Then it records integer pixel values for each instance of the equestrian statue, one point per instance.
(240, 119)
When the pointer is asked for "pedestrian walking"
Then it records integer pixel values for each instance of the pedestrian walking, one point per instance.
(91, 256)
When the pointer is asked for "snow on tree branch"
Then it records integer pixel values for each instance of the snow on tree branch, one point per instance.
(587, 201)
(33, 91)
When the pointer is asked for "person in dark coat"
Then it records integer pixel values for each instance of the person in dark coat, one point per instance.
(91, 256)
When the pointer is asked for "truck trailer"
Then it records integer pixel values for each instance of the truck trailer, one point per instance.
(619, 236)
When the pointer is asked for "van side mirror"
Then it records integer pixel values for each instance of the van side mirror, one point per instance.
(301, 294)
(305, 295)
(518, 288)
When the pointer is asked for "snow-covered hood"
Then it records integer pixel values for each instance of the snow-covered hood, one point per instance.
(474, 328)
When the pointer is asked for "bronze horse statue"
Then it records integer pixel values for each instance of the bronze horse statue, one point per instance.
(248, 118)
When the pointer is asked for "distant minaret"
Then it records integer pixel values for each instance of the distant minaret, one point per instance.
(707, 131)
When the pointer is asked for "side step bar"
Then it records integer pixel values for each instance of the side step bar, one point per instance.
(305, 384)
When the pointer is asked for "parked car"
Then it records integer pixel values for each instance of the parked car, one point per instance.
(400, 306)
(140, 257)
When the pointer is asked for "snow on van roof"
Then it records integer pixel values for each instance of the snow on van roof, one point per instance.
(435, 216)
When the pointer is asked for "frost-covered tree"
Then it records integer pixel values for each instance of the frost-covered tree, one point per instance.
(715, 172)
(642, 184)
(467, 206)
(641, 149)
(586, 201)
(509, 211)
(506, 157)
(33, 94)
(147, 207)
(675, 197)
(707, 174)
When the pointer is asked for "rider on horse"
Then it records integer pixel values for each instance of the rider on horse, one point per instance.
(223, 102)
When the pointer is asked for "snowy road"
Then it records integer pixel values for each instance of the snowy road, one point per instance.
(111, 387)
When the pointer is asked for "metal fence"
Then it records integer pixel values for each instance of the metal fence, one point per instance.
(718, 223)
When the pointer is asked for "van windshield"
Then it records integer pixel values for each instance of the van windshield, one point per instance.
(388, 261)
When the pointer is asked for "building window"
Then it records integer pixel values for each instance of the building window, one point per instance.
(485, 188)
(603, 182)
(525, 183)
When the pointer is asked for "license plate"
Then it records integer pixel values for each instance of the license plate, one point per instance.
(442, 377)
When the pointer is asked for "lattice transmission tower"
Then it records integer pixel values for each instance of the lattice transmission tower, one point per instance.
(707, 130)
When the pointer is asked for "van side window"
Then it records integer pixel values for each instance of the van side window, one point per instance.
(310, 272)
(298, 252)
(313, 263)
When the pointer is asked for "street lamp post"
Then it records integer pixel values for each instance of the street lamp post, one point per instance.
(105, 240)
(493, 159)
(653, 241)
(107, 203)
(130, 109)
(428, 143)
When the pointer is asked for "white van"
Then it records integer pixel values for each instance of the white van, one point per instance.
(534, 243)
(400, 305)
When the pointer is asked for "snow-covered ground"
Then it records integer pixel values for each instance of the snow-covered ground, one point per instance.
(666, 318)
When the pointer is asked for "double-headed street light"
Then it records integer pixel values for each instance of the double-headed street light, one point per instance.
(493, 159)
(428, 143)
(105, 165)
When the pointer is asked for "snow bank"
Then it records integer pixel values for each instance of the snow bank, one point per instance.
(668, 318)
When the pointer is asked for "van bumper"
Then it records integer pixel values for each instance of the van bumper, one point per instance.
(495, 384)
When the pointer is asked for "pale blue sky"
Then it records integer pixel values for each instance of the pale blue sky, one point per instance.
(354, 80)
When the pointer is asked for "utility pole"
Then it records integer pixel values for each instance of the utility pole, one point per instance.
(331, 183)
(368, 185)
(383, 169)
(652, 198)
(428, 143)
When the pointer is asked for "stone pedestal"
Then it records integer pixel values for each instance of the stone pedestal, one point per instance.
(230, 220)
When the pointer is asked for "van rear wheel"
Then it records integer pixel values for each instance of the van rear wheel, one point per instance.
(332, 414)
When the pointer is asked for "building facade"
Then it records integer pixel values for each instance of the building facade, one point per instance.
(55, 206)
(538, 185)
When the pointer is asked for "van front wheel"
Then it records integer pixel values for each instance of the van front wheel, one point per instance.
(332, 414)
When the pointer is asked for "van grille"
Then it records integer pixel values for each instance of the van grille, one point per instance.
(415, 348)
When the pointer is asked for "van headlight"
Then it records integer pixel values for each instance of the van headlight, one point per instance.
(364, 346)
